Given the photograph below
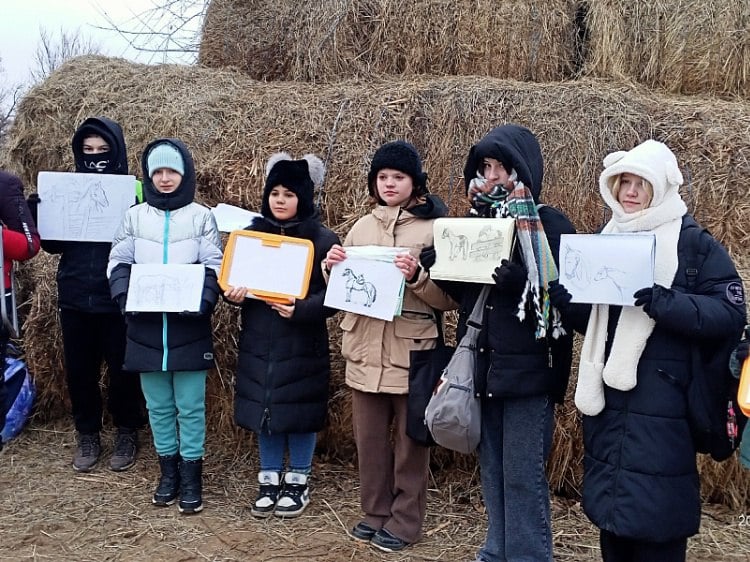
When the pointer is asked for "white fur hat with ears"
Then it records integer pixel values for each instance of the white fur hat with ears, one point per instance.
(300, 176)
(651, 160)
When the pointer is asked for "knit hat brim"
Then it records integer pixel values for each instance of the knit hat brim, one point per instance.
(165, 156)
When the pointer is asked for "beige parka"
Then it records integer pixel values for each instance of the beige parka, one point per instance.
(377, 351)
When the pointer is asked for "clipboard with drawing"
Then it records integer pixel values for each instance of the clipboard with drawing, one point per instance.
(273, 267)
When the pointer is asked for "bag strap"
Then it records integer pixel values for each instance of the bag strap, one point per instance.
(477, 315)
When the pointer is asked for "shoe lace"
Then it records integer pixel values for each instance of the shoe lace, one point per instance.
(124, 444)
(294, 491)
(88, 444)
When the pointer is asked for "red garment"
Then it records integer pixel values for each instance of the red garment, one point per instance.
(20, 236)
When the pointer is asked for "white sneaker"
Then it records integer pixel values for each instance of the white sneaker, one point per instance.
(295, 495)
(268, 494)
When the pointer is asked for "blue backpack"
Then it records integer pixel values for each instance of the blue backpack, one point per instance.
(19, 394)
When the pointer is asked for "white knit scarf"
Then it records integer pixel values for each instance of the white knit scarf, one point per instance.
(634, 326)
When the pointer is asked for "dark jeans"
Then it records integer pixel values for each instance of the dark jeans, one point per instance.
(515, 443)
(620, 549)
(89, 339)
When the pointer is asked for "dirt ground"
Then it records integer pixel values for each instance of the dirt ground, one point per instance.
(51, 513)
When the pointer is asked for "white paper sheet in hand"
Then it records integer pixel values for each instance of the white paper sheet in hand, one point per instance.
(469, 249)
(229, 217)
(171, 287)
(367, 282)
(606, 268)
(82, 207)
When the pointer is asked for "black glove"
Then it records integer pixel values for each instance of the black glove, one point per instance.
(742, 351)
(510, 277)
(427, 257)
(559, 296)
(644, 297)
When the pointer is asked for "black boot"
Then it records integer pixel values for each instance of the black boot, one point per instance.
(169, 482)
(191, 486)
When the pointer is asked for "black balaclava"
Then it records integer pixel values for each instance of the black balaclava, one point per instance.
(114, 161)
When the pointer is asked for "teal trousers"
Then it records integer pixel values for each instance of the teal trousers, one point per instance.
(176, 402)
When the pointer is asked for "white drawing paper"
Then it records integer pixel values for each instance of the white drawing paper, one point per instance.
(170, 287)
(367, 282)
(82, 207)
(606, 268)
(229, 217)
(277, 269)
(469, 249)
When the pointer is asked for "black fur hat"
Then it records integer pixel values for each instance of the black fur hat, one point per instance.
(300, 176)
(402, 156)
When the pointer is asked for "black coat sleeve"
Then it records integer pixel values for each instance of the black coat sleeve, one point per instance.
(715, 309)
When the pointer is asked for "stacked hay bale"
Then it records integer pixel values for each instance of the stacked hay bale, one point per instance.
(232, 123)
(341, 39)
(680, 46)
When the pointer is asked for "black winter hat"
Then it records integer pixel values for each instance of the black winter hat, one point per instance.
(299, 176)
(398, 155)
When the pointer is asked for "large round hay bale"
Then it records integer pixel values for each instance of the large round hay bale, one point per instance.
(233, 123)
(686, 46)
(335, 39)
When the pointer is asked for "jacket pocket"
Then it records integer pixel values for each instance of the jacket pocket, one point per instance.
(353, 345)
(412, 331)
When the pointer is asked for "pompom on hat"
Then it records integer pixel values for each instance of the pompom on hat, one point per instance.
(165, 155)
(299, 176)
(402, 156)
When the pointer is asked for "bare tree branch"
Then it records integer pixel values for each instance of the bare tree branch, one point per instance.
(52, 51)
(171, 28)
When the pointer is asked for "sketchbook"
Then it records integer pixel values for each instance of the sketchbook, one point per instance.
(606, 268)
(82, 207)
(469, 249)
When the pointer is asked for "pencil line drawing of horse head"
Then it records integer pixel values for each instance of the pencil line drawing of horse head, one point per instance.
(575, 268)
(357, 283)
(614, 275)
(459, 244)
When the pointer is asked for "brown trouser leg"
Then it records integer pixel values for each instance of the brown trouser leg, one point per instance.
(393, 468)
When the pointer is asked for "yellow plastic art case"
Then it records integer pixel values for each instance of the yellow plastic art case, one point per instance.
(274, 268)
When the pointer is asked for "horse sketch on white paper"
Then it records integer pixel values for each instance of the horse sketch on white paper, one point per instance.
(356, 284)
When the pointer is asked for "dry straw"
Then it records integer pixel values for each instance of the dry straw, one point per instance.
(233, 123)
(681, 46)
(335, 39)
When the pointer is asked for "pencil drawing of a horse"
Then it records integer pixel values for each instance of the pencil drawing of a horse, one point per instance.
(459, 244)
(357, 283)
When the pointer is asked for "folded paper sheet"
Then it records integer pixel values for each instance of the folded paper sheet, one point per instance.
(367, 282)
(606, 268)
(469, 249)
(229, 217)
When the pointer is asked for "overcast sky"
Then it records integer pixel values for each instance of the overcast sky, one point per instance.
(21, 20)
